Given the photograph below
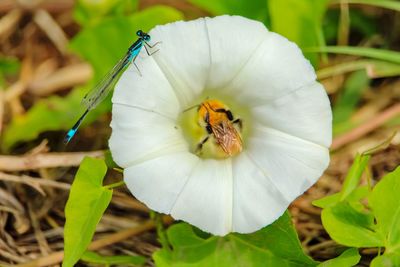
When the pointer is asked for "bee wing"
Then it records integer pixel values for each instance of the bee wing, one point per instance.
(227, 137)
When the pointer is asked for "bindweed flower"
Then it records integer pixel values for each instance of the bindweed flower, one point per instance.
(229, 79)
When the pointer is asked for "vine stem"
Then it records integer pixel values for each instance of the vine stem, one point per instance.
(114, 185)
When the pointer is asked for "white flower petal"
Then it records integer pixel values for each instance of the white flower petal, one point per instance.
(158, 182)
(276, 68)
(206, 199)
(256, 200)
(293, 164)
(150, 91)
(233, 40)
(184, 56)
(305, 113)
(139, 135)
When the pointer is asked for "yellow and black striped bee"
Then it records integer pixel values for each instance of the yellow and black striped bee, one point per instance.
(218, 121)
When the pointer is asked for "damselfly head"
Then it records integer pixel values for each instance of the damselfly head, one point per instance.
(144, 36)
(139, 33)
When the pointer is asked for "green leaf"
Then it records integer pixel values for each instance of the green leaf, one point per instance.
(102, 44)
(257, 10)
(354, 175)
(354, 197)
(385, 203)
(274, 245)
(87, 201)
(394, 5)
(350, 257)
(299, 21)
(92, 257)
(386, 260)
(350, 227)
(349, 191)
(375, 53)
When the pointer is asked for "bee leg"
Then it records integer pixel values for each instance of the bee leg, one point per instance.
(200, 145)
(239, 122)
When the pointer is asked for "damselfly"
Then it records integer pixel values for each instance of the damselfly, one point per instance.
(102, 89)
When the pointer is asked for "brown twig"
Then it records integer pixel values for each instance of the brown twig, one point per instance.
(50, 5)
(367, 127)
(34, 182)
(9, 22)
(45, 160)
(41, 240)
(55, 33)
(324, 244)
(128, 202)
(57, 257)
(68, 76)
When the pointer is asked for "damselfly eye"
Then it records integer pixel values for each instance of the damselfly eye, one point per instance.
(139, 33)
(147, 37)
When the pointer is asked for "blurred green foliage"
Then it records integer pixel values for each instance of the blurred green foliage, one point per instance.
(8, 66)
(300, 22)
(360, 23)
(256, 9)
(347, 101)
(103, 43)
(88, 12)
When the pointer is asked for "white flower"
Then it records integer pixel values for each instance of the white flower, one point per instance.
(265, 80)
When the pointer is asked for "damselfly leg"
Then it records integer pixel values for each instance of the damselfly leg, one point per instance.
(147, 45)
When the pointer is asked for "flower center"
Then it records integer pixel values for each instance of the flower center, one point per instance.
(213, 129)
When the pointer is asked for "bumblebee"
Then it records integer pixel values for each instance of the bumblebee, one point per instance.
(218, 121)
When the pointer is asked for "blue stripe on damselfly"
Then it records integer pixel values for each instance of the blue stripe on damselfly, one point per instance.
(103, 88)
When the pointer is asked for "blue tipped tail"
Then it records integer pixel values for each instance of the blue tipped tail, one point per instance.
(69, 135)
(74, 128)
